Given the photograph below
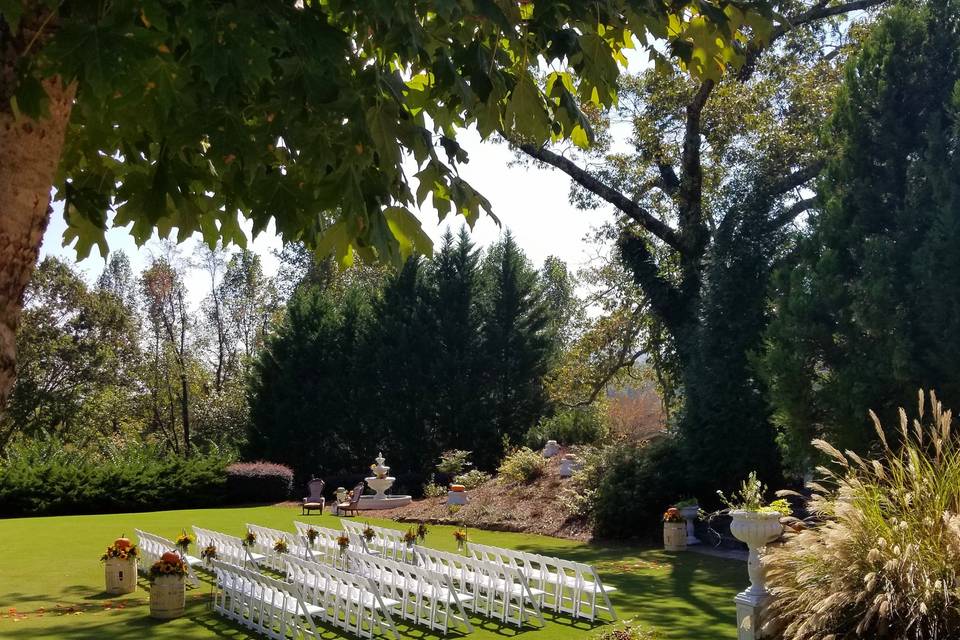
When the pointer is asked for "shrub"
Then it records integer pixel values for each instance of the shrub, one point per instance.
(433, 489)
(52, 479)
(581, 425)
(634, 483)
(473, 478)
(882, 560)
(454, 461)
(256, 482)
(522, 465)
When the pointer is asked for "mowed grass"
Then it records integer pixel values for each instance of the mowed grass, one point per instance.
(52, 585)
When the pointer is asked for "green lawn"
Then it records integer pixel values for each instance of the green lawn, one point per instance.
(51, 581)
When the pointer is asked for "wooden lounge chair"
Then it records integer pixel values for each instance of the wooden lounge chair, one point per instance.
(350, 506)
(314, 501)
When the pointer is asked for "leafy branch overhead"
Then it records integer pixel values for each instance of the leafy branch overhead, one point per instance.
(189, 114)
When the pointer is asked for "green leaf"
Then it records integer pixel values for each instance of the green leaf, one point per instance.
(30, 99)
(408, 231)
(82, 230)
(336, 240)
(525, 113)
(11, 11)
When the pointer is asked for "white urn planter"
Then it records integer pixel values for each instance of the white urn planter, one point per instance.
(551, 449)
(756, 530)
(690, 514)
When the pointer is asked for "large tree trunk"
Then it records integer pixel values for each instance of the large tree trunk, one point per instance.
(29, 154)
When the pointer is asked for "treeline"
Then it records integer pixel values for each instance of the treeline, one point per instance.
(445, 353)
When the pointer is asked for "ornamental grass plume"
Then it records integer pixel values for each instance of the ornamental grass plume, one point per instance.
(882, 561)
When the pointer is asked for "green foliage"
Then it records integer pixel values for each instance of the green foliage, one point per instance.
(522, 465)
(627, 631)
(189, 114)
(635, 484)
(751, 496)
(253, 482)
(454, 461)
(579, 425)
(448, 352)
(866, 305)
(47, 478)
(433, 490)
(473, 478)
(883, 554)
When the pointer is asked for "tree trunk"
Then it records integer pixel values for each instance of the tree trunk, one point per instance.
(29, 155)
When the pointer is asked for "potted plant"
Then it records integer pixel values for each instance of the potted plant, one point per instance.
(410, 537)
(421, 532)
(280, 546)
(460, 535)
(167, 587)
(250, 539)
(756, 523)
(208, 553)
(369, 533)
(343, 542)
(690, 510)
(120, 566)
(312, 535)
(674, 530)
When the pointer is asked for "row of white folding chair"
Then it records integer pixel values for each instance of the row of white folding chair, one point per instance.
(386, 542)
(325, 548)
(345, 600)
(266, 538)
(229, 548)
(497, 592)
(152, 546)
(570, 587)
(266, 605)
(425, 597)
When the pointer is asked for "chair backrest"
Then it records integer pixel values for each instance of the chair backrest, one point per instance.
(389, 543)
(315, 490)
(325, 548)
(357, 492)
(426, 598)
(267, 538)
(264, 604)
(229, 548)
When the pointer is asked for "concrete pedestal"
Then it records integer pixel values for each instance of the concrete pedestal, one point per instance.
(749, 612)
(456, 497)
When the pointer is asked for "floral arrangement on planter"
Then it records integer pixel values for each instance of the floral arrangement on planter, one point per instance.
(209, 552)
(410, 537)
(250, 539)
(343, 542)
(750, 498)
(460, 535)
(183, 541)
(312, 535)
(421, 532)
(368, 533)
(687, 502)
(169, 564)
(122, 549)
(280, 546)
(672, 515)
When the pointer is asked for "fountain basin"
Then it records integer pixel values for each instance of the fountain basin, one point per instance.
(387, 502)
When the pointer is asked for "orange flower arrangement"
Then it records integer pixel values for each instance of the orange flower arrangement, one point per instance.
(672, 515)
(120, 551)
(170, 564)
(343, 542)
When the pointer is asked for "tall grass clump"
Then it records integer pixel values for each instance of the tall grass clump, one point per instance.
(883, 560)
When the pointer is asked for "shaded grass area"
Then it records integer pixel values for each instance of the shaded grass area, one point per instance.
(51, 582)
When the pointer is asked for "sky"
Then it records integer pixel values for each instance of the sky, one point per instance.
(530, 201)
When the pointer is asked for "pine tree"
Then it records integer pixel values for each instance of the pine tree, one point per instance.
(866, 309)
(516, 342)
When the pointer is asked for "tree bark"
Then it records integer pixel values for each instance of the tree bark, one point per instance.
(30, 152)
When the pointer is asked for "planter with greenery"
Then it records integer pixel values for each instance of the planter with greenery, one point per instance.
(674, 530)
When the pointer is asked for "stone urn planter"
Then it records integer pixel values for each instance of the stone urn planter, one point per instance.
(674, 536)
(551, 449)
(690, 513)
(120, 575)
(756, 530)
(167, 597)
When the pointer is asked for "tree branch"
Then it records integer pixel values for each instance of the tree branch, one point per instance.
(796, 179)
(640, 215)
(790, 213)
(817, 12)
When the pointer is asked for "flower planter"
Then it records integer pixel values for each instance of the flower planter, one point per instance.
(674, 536)
(690, 514)
(551, 449)
(120, 575)
(167, 597)
(756, 530)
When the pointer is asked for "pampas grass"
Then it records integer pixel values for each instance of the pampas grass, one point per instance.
(884, 557)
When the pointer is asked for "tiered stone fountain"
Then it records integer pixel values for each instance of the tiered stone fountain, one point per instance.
(380, 482)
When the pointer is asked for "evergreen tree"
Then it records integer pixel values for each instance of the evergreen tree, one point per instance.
(866, 309)
(516, 342)
(462, 405)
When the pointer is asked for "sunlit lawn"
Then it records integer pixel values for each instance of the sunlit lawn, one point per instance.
(51, 581)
